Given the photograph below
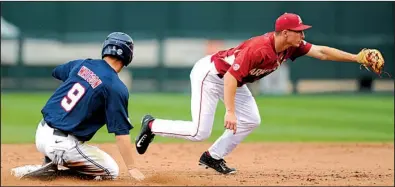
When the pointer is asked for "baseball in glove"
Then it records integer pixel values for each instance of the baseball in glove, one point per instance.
(372, 60)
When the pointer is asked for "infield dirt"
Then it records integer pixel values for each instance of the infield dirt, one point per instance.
(295, 164)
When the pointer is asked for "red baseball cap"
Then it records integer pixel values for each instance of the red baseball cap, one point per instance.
(290, 21)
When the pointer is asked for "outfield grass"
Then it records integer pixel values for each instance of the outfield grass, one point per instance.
(284, 118)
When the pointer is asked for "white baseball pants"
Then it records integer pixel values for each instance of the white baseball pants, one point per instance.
(76, 155)
(207, 88)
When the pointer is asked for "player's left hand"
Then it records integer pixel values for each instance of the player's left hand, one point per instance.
(371, 59)
(136, 174)
(231, 121)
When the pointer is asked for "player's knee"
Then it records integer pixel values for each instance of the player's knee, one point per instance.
(201, 136)
(110, 169)
(257, 120)
(114, 171)
(107, 171)
(253, 121)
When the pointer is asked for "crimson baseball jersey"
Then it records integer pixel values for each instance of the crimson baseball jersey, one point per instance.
(255, 58)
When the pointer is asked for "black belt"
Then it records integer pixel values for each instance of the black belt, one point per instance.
(56, 132)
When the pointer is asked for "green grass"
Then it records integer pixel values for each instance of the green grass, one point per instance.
(284, 118)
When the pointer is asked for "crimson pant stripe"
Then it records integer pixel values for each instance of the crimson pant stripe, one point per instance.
(200, 110)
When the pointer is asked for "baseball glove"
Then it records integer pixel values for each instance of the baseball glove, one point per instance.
(372, 59)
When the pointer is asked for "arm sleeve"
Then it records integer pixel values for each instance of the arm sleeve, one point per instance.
(117, 118)
(303, 49)
(62, 72)
(244, 62)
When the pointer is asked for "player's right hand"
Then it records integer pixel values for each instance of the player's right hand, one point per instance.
(231, 121)
(136, 174)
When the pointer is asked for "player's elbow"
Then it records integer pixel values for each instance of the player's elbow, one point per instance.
(323, 56)
(318, 52)
(54, 74)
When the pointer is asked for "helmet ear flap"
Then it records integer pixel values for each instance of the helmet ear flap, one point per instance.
(126, 52)
(120, 52)
(119, 45)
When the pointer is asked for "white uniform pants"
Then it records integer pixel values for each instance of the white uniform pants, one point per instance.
(76, 155)
(207, 89)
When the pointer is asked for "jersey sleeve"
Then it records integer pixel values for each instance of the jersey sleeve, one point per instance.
(117, 118)
(62, 72)
(246, 60)
(303, 49)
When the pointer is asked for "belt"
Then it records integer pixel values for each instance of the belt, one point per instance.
(56, 132)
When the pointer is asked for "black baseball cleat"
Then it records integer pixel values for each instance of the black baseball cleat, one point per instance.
(218, 165)
(146, 136)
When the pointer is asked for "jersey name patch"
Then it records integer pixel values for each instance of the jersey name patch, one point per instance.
(89, 77)
(257, 72)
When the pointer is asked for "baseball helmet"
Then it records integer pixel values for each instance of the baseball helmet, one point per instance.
(119, 45)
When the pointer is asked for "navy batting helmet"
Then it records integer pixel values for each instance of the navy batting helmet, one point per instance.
(119, 45)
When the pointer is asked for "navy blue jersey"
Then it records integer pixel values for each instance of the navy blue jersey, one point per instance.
(90, 96)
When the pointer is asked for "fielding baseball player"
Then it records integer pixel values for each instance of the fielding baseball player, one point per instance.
(90, 96)
(222, 76)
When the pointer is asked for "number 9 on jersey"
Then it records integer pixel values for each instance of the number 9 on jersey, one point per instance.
(73, 96)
